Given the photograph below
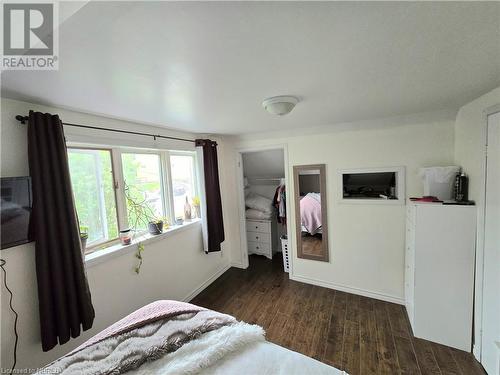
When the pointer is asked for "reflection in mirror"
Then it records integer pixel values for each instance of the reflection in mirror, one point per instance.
(310, 209)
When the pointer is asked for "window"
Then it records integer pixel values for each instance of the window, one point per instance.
(93, 191)
(183, 181)
(121, 188)
(143, 188)
(372, 185)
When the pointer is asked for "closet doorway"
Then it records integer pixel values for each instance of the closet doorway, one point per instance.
(490, 338)
(264, 219)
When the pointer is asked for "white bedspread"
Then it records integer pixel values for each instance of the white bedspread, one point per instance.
(238, 349)
(265, 358)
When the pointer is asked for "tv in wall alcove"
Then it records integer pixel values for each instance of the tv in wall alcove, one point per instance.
(16, 205)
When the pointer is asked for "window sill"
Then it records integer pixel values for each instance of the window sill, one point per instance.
(397, 202)
(113, 250)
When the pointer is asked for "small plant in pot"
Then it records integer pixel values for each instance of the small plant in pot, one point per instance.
(196, 205)
(84, 236)
(156, 226)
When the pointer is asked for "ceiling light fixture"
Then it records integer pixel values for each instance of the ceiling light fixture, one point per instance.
(280, 105)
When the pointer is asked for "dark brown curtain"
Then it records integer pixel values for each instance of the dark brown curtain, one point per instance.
(63, 294)
(215, 224)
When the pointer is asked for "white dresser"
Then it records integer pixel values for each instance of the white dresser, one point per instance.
(439, 273)
(261, 237)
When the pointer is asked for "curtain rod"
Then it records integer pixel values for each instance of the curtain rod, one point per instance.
(23, 119)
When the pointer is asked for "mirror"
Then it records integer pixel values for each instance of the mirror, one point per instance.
(310, 211)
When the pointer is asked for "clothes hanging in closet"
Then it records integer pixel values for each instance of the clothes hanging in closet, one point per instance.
(279, 202)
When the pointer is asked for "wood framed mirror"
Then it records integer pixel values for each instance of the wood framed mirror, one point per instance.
(311, 224)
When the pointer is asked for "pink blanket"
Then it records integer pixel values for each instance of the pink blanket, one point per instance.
(150, 313)
(310, 214)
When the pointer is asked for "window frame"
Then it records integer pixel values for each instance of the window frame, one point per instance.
(194, 176)
(166, 182)
(96, 244)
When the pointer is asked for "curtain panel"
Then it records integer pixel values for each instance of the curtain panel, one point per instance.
(211, 210)
(64, 298)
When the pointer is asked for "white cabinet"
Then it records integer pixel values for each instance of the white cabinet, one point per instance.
(439, 272)
(261, 237)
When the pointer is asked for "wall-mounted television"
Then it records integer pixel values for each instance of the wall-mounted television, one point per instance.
(15, 208)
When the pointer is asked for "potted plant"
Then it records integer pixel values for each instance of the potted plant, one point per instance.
(84, 236)
(157, 225)
(196, 205)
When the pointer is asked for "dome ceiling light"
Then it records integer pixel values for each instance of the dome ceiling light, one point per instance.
(280, 105)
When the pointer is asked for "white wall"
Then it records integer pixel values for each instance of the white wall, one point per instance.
(174, 267)
(366, 241)
(470, 136)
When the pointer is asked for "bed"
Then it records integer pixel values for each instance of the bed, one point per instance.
(310, 213)
(171, 337)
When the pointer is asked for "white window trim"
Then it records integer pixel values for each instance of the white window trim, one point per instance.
(111, 246)
(195, 177)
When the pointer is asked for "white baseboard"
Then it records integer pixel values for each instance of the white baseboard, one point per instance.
(476, 351)
(347, 289)
(205, 284)
(239, 265)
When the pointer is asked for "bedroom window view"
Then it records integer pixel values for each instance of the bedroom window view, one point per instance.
(92, 183)
(142, 175)
(145, 199)
(183, 181)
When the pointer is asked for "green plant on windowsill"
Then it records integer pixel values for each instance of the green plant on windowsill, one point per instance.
(141, 215)
(196, 204)
(84, 236)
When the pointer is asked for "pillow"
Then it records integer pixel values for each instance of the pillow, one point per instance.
(256, 214)
(258, 202)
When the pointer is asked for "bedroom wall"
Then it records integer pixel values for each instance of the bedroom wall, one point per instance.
(175, 266)
(470, 135)
(366, 240)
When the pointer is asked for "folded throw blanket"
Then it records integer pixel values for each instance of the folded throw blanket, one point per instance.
(145, 335)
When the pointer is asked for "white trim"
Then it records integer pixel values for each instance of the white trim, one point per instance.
(103, 255)
(400, 186)
(348, 289)
(480, 234)
(239, 265)
(241, 198)
(206, 283)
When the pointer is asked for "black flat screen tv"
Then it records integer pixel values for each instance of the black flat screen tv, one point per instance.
(15, 210)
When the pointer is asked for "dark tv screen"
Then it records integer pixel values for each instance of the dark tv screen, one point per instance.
(15, 207)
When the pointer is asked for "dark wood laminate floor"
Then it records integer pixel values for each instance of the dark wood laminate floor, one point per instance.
(357, 334)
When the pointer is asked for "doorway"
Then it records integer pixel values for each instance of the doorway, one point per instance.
(263, 200)
(490, 338)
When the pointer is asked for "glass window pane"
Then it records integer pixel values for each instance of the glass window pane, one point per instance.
(183, 182)
(143, 191)
(94, 194)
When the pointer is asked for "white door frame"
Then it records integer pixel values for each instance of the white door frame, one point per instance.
(481, 233)
(241, 198)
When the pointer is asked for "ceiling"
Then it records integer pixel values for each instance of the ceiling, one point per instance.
(207, 66)
(264, 164)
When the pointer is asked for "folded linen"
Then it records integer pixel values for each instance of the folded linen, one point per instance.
(257, 215)
(258, 202)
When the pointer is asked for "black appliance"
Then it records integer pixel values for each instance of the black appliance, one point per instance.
(461, 187)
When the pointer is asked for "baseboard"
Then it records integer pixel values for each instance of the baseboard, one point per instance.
(347, 289)
(476, 352)
(239, 265)
(205, 284)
